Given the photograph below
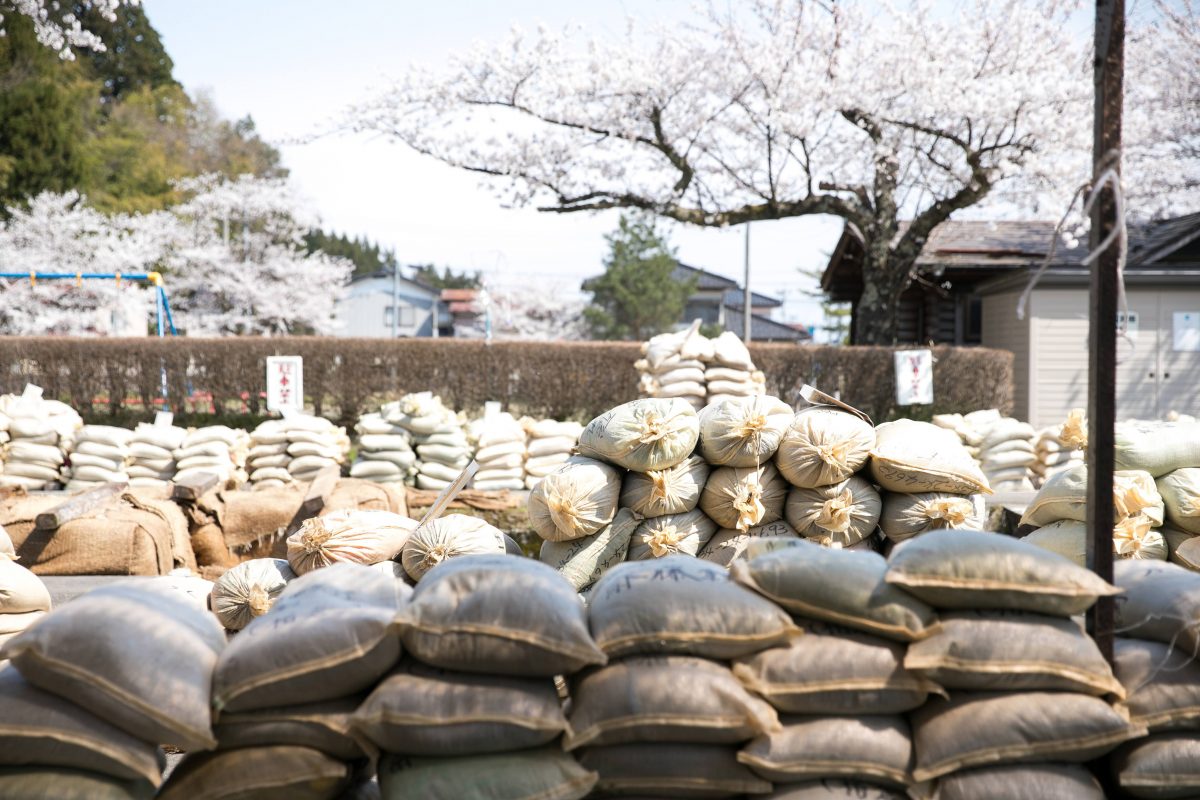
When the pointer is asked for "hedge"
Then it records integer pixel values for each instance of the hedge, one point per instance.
(565, 380)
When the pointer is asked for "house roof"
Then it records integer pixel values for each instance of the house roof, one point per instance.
(763, 329)
(978, 251)
(386, 273)
(460, 295)
(705, 280)
(734, 298)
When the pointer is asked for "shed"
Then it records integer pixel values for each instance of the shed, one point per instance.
(971, 274)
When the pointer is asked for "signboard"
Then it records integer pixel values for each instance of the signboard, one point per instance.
(914, 377)
(1186, 332)
(1130, 319)
(285, 383)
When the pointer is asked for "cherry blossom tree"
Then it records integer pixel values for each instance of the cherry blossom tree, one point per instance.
(541, 312)
(59, 233)
(890, 116)
(232, 255)
(238, 263)
(57, 27)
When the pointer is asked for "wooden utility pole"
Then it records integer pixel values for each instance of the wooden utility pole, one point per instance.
(1109, 68)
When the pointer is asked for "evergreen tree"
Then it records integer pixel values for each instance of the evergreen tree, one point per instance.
(134, 56)
(447, 279)
(638, 295)
(366, 256)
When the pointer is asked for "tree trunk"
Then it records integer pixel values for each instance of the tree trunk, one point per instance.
(885, 277)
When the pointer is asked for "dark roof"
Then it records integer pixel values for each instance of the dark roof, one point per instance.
(735, 297)
(386, 272)
(971, 252)
(704, 279)
(763, 329)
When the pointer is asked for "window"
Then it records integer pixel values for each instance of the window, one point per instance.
(408, 316)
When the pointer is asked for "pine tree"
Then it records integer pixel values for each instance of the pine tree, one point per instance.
(638, 295)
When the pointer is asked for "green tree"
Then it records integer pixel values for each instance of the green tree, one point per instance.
(366, 256)
(638, 295)
(43, 105)
(447, 279)
(134, 57)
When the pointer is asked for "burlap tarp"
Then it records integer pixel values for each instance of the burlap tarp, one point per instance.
(253, 524)
(133, 534)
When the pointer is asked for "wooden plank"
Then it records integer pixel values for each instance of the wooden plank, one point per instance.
(79, 505)
(192, 487)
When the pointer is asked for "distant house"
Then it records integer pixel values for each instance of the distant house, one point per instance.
(717, 300)
(464, 311)
(974, 272)
(373, 299)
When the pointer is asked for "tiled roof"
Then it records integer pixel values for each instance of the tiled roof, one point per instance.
(763, 329)
(735, 297)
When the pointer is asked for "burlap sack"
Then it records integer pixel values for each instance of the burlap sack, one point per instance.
(675, 490)
(499, 614)
(1021, 782)
(672, 534)
(1160, 602)
(322, 726)
(682, 605)
(728, 544)
(136, 654)
(844, 513)
(1157, 447)
(835, 670)
(1064, 496)
(1012, 651)
(1180, 491)
(349, 536)
(19, 510)
(906, 515)
(671, 770)
(575, 500)
(1183, 548)
(128, 536)
(249, 590)
(835, 789)
(978, 570)
(845, 587)
(446, 538)
(329, 635)
(744, 497)
(1161, 766)
(974, 729)
(823, 445)
(424, 711)
(911, 457)
(583, 561)
(38, 728)
(642, 435)
(875, 748)
(20, 590)
(544, 773)
(743, 433)
(637, 699)
(271, 773)
(1162, 685)
(40, 783)
(1133, 538)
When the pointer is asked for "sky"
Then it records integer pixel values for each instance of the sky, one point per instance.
(295, 65)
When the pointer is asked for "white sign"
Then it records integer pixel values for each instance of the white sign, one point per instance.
(1130, 319)
(914, 377)
(285, 383)
(1186, 331)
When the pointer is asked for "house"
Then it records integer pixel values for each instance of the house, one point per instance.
(973, 274)
(717, 300)
(464, 311)
(372, 300)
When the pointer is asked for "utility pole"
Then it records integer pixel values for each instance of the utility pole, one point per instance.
(1108, 74)
(746, 292)
(395, 301)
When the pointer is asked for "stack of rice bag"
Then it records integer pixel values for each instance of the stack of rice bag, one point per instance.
(385, 453)
(100, 455)
(40, 434)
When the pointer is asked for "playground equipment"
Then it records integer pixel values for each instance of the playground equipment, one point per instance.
(162, 309)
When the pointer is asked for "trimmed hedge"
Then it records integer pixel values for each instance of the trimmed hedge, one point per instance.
(565, 380)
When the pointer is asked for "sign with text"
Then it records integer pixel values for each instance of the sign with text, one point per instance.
(914, 377)
(285, 383)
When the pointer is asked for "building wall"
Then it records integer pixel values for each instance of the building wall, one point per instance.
(364, 311)
(1002, 330)
(1052, 353)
